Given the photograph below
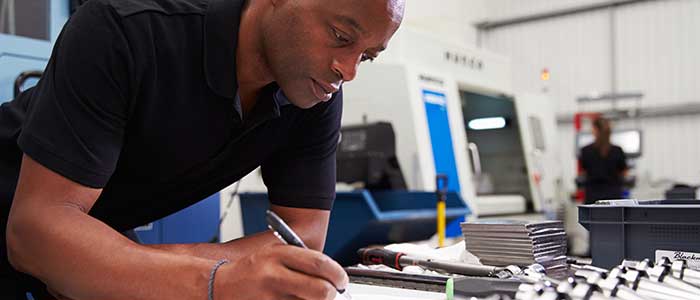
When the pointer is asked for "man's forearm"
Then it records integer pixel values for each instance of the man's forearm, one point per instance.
(235, 249)
(82, 258)
(310, 224)
(232, 250)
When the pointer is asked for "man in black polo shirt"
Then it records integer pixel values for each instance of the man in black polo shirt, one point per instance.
(148, 106)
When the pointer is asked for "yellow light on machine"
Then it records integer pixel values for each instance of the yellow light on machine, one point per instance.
(545, 74)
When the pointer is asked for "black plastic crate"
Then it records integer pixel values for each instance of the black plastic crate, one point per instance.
(636, 231)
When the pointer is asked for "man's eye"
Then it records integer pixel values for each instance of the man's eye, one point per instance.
(367, 57)
(339, 37)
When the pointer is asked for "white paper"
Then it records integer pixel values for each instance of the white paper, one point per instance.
(376, 297)
(371, 292)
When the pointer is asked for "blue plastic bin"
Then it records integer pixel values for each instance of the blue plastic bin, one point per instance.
(361, 218)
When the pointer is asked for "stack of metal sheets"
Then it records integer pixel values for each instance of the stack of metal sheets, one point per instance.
(521, 243)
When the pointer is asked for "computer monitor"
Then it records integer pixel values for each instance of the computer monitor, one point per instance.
(629, 140)
(367, 154)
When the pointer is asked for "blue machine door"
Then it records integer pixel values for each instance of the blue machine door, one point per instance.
(441, 137)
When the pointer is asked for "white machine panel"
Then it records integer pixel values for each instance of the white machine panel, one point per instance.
(538, 133)
(392, 89)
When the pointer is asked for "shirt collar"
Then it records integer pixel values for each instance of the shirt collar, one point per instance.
(221, 26)
(281, 98)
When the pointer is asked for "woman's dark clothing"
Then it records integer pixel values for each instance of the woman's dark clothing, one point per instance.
(604, 175)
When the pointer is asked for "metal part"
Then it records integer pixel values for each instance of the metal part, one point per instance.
(582, 291)
(596, 269)
(664, 261)
(631, 280)
(536, 291)
(660, 291)
(661, 273)
(566, 286)
(638, 278)
(610, 283)
(512, 270)
(534, 273)
(613, 285)
(678, 267)
(680, 270)
(538, 273)
(526, 292)
(599, 296)
(549, 294)
(626, 293)
(666, 284)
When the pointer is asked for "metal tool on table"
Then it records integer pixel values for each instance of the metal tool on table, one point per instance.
(477, 280)
(441, 192)
(398, 260)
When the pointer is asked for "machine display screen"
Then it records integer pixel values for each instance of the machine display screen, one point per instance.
(629, 140)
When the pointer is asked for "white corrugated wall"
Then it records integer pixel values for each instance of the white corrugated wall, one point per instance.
(657, 52)
(449, 19)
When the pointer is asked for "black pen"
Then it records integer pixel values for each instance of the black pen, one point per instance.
(285, 233)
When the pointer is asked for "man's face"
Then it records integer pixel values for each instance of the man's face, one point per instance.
(313, 46)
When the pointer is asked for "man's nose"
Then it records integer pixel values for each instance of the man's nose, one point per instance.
(346, 67)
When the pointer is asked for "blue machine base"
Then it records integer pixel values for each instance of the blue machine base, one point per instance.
(198, 223)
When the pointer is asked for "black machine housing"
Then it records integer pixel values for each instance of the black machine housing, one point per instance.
(367, 154)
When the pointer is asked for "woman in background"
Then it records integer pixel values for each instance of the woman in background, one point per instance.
(604, 165)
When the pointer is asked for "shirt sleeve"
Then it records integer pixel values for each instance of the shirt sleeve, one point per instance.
(303, 173)
(77, 113)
